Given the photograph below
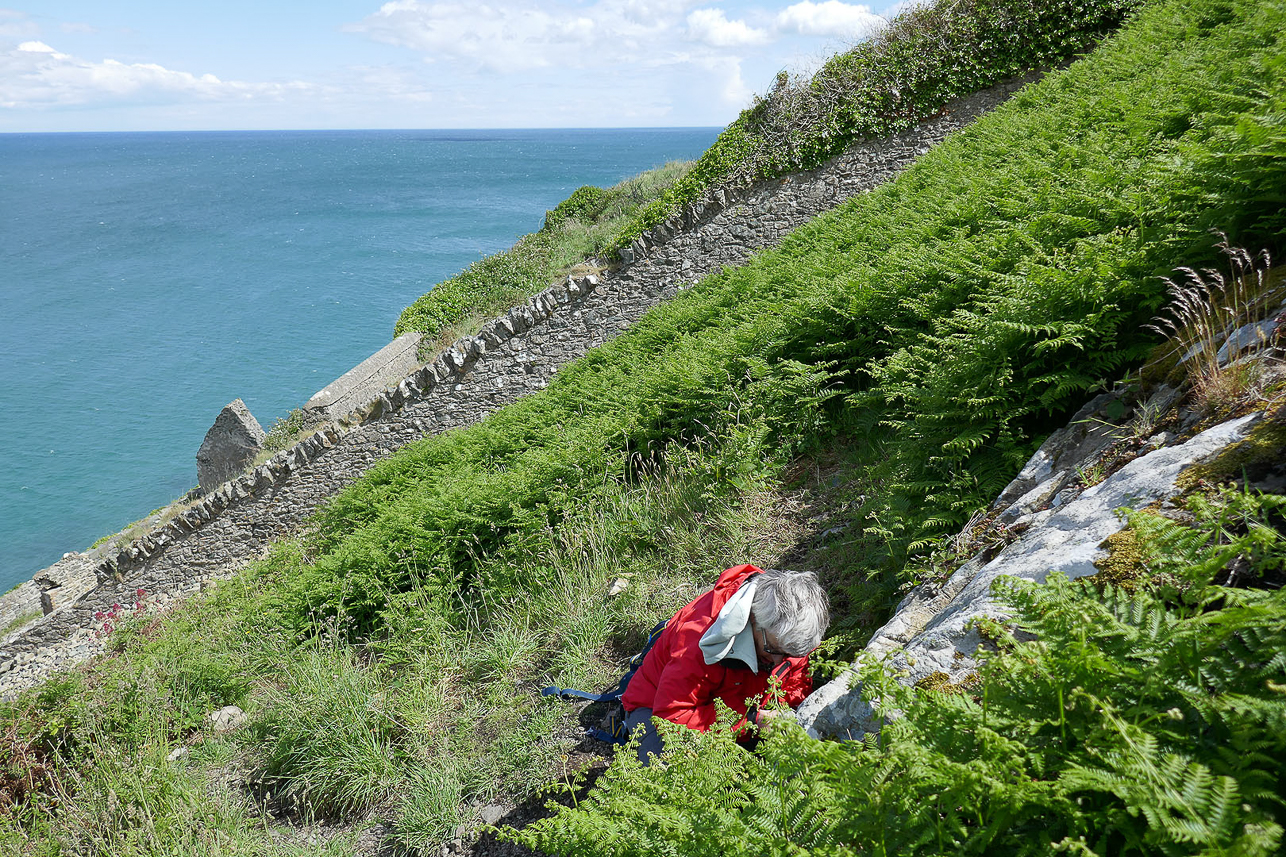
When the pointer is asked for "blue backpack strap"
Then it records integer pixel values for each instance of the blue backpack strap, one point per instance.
(569, 694)
(617, 733)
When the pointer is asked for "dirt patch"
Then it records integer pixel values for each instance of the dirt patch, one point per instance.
(587, 762)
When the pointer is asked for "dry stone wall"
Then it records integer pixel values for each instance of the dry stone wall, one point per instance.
(511, 357)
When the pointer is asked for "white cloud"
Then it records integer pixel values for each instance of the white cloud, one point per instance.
(36, 75)
(647, 13)
(16, 25)
(732, 86)
(394, 82)
(830, 18)
(515, 35)
(507, 36)
(501, 37)
(713, 28)
(686, 56)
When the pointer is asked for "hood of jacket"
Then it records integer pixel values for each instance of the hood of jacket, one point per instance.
(731, 636)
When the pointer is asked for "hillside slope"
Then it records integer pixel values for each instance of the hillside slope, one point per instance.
(843, 402)
(929, 56)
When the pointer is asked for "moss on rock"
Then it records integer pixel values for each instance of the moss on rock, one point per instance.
(1253, 461)
(940, 682)
(1125, 566)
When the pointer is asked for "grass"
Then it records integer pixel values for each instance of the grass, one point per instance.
(413, 726)
(1104, 720)
(19, 621)
(1207, 309)
(1028, 248)
(285, 432)
(140, 803)
(154, 520)
(902, 75)
(578, 229)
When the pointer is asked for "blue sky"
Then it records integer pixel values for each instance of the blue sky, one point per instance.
(139, 65)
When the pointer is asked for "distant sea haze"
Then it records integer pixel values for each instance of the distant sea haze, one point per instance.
(146, 280)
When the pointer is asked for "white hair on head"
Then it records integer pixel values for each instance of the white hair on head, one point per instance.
(791, 605)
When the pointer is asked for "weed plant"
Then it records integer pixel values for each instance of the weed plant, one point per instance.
(413, 725)
(286, 432)
(925, 58)
(19, 621)
(577, 229)
(943, 322)
(1207, 311)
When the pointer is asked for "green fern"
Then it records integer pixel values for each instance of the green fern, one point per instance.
(1151, 720)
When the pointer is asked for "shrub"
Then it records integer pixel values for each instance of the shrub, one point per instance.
(935, 328)
(585, 204)
(1024, 249)
(285, 431)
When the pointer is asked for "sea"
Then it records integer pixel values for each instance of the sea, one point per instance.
(149, 279)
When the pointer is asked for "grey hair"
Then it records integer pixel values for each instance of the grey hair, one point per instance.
(791, 605)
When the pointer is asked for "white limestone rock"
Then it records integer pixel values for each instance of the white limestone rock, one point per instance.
(227, 718)
(931, 630)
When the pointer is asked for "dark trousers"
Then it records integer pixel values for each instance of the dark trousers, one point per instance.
(650, 740)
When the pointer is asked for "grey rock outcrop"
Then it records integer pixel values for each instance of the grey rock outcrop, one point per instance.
(231, 443)
(932, 630)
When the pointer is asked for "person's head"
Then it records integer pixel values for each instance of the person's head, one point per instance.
(789, 614)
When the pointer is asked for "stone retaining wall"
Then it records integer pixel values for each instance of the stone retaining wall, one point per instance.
(367, 379)
(512, 356)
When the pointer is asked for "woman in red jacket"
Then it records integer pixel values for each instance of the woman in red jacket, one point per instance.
(727, 644)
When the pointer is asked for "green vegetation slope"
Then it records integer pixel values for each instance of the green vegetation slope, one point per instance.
(906, 73)
(912, 346)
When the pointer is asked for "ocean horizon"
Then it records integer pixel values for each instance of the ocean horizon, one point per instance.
(150, 278)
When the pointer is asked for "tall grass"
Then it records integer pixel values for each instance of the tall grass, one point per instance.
(1213, 322)
(944, 322)
(417, 725)
(1144, 722)
(330, 732)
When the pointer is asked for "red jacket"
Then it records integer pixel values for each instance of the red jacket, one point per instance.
(676, 682)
